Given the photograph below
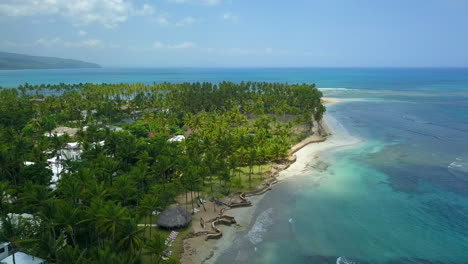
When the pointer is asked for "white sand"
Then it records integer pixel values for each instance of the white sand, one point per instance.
(197, 250)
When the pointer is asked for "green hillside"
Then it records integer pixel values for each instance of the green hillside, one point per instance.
(14, 61)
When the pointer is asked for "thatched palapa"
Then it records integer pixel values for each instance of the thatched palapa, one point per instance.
(174, 218)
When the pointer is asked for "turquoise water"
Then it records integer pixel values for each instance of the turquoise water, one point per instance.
(356, 78)
(400, 196)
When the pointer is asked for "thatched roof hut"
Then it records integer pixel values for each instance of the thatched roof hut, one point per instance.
(174, 218)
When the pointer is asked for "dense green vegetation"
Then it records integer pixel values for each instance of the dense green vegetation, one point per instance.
(14, 61)
(92, 215)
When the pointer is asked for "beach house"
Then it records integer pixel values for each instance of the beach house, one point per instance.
(5, 249)
(22, 258)
(72, 151)
(60, 131)
(178, 138)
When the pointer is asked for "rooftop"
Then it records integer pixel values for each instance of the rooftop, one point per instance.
(174, 218)
(60, 131)
(23, 258)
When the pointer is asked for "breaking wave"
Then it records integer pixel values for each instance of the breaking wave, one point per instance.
(343, 260)
(255, 235)
(459, 168)
(337, 91)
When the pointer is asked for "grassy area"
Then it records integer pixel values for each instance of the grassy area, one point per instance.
(258, 176)
(177, 247)
(239, 182)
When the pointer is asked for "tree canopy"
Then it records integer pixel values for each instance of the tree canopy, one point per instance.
(91, 214)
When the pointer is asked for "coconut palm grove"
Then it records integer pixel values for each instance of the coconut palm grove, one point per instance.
(86, 168)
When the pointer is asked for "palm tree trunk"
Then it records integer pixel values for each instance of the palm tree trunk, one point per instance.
(186, 201)
(191, 196)
(151, 221)
(250, 176)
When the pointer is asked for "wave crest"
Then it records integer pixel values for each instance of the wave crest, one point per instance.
(255, 235)
(459, 167)
(343, 260)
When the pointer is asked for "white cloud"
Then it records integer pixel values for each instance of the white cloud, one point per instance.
(183, 45)
(80, 12)
(165, 19)
(253, 52)
(231, 17)
(158, 45)
(12, 44)
(186, 21)
(91, 43)
(200, 2)
(58, 42)
(82, 33)
(145, 10)
(162, 20)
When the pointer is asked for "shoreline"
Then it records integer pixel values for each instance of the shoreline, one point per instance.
(197, 250)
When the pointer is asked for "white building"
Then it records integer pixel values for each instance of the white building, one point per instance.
(5, 250)
(84, 113)
(23, 258)
(56, 166)
(72, 151)
(60, 131)
(29, 219)
(177, 138)
(114, 128)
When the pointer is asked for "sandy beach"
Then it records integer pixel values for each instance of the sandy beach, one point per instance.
(330, 100)
(197, 250)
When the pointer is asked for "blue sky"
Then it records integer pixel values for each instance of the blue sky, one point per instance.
(240, 33)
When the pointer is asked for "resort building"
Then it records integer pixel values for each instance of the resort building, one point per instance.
(84, 113)
(60, 131)
(177, 138)
(5, 249)
(72, 151)
(15, 219)
(114, 128)
(22, 258)
(56, 166)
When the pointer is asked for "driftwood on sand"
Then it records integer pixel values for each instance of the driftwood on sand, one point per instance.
(223, 219)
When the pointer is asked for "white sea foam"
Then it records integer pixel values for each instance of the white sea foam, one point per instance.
(335, 89)
(459, 167)
(343, 260)
(255, 235)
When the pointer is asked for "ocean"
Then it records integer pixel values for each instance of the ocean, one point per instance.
(400, 195)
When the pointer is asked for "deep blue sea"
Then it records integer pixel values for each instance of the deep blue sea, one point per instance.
(399, 196)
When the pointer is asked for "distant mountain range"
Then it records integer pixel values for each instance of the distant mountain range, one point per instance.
(14, 61)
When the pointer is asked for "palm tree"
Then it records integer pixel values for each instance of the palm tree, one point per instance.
(17, 232)
(150, 203)
(5, 197)
(131, 238)
(73, 255)
(112, 217)
(155, 246)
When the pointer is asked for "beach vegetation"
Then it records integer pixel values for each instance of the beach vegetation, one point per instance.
(139, 147)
